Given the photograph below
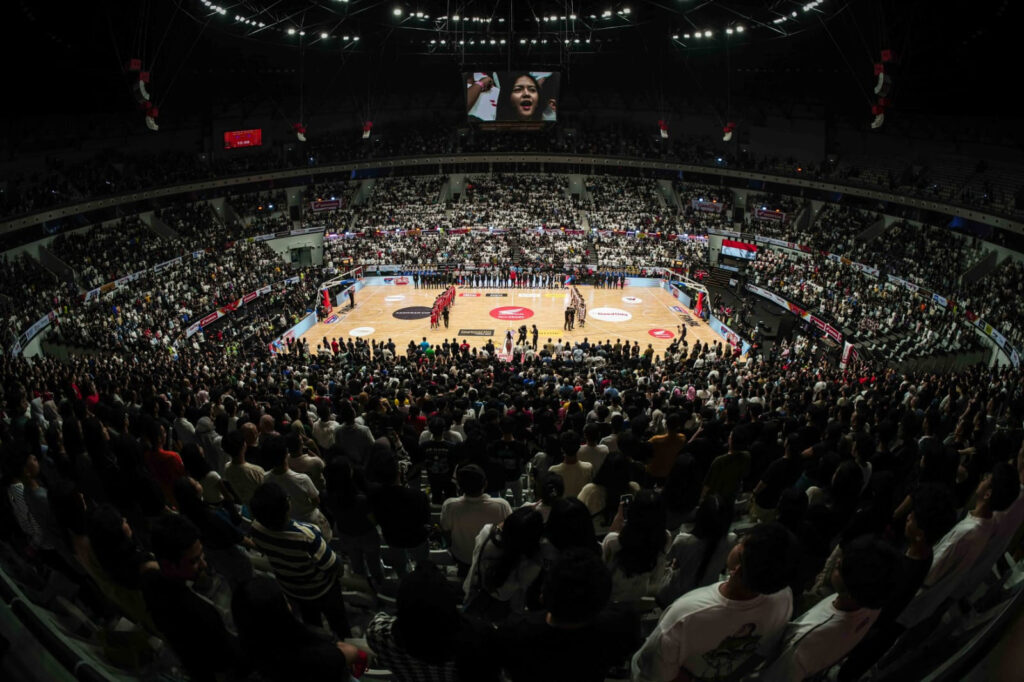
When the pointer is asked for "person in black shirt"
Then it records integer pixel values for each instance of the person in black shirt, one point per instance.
(436, 458)
(780, 474)
(574, 637)
(353, 517)
(283, 647)
(402, 513)
(189, 623)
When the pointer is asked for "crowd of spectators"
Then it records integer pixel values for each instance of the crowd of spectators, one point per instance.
(402, 203)
(923, 254)
(628, 204)
(115, 172)
(517, 202)
(853, 509)
(105, 253)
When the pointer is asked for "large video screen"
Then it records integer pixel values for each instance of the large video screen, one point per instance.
(739, 249)
(234, 139)
(511, 96)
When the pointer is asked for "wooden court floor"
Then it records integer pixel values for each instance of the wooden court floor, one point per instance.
(647, 315)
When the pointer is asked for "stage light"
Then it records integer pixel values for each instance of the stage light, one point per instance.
(675, 36)
(707, 34)
(455, 18)
(323, 36)
(302, 33)
(626, 11)
(728, 31)
(397, 11)
(740, 29)
(522, 41)
(686, 36)
(291, 31)
(419, 15)
(573, 17)
(355, 38)
(696, 35)
(502, 41)
(345, 38)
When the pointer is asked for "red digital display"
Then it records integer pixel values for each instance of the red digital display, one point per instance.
(233, 139)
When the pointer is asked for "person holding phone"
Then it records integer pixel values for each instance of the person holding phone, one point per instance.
(635, 550)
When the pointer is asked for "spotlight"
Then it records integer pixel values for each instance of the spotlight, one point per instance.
(397, 11)
(291, 31)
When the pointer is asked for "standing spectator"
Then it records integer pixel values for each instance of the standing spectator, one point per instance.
(592, 451)
(698, 558)
(428, 640)
(635, 549)
(242, 476)
(727, 471)
(574, 637)
(463, 517)
(302, 494)
(355, 440)
(506, 562)
(665, 448)
(780, 474)
(513, 455)
(863, 580)
(711, 632)
(402, 513)
(302, 561)
(190, 623)
(353, 517)
(165, 466)
(437, 458)
(574, 473)
(281, 646)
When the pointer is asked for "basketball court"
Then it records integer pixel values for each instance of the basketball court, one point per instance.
(647, 315)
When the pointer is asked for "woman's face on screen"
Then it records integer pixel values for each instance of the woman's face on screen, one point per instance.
(524, 97)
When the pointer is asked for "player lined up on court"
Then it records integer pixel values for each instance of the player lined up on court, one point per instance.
(439, 311)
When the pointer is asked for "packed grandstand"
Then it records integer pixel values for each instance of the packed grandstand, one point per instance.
(830, 488)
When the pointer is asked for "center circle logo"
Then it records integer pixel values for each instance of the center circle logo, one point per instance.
(661, 333)
(393, 299)
(610, 314)
(632, 300)
(507, 312)
(361, 331)
(416, 312)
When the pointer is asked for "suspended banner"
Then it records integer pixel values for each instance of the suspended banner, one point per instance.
(332, 205)
(707, 206)
(770, 214)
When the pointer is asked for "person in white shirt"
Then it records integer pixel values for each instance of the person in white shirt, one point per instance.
(1007, 523)
(712, 632)
(957, 552)
(592, 451)
(863, 578)
(463, 517)
(302, 494)
(574, 473)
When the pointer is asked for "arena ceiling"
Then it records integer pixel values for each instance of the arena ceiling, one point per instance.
(202, 51)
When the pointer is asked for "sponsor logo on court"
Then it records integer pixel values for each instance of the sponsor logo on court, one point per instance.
(561, 295)
(529, 294)
(394, 299)
(511, 313)
(661, 333)
(476, 332)
(416, 312)
(633, 300)
(401, 280)
(332, 319)
(496, 295)
(361, 331)
(610, 314)
(549, 332)
(676, 309)
(470, 295)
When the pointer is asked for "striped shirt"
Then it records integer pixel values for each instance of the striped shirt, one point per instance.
(303, 563)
